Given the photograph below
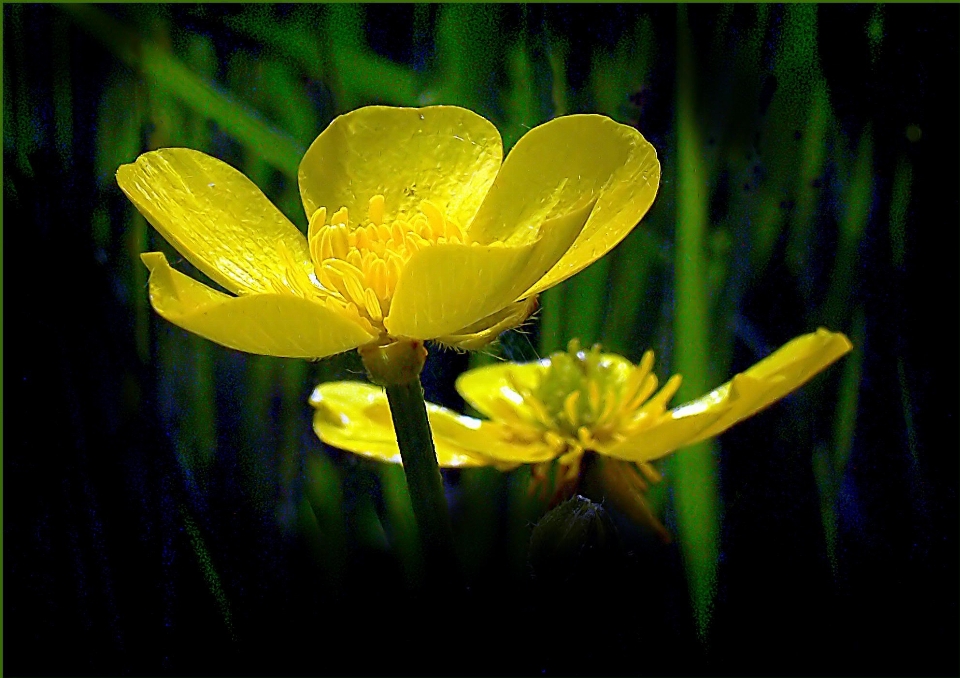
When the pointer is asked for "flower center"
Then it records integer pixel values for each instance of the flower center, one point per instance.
(360, 265)
(586, 398)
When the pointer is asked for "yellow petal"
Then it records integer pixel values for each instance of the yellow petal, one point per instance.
(354, 416)
(672, 430)
(268, 324)
(483, 332)
(445, 288)
(443, 154)
(215, 217)
(782, 372)
(772, 378)
(490, 389)
(555, 167)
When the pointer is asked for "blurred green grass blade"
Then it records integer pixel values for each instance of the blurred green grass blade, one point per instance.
(256, 424)
(899, 205)
(696, 499)
(295, 40)
(118, 140)
(632, 269)
(120, 121)
(400, 524)
(899, 202)
(294, 426)
(468, 49)
(586, 300)
(209, 570)
(807, 191)
(906, 404)
(613, 79)
(363, 77)
(875, 32)
(519, 100)
(830, 465)
(552, 301)
(62, 90)
(552, 311)
(202, 413)
(845, 419)
(827, 487)
(477, 528)
(24, 101)
(796, 69)
(137, 241)
(523, 511)
(233, 117)
(557, 59)
(855, 202)
(324, 492)
(168, 73)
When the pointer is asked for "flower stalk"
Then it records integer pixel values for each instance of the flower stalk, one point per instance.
(396, 367)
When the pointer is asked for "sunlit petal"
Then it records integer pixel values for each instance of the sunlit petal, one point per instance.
(674, 429)
(444, 154)
(782, 372)
(555, 167)
(447, 287)
(355, 416)
(268, 324)
(492, 389)
(216, 218)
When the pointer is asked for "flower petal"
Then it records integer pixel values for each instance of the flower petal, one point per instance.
(490, 389)
(780, 373)
(215, 217)
(771, 379)
(355, 416)
(673, 430)
(485, 331)
(444, 154)
(560, 164)
(268, 324)
(444, 288)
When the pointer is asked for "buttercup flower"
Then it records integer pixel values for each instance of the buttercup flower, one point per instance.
(416, 229)
(572, 403)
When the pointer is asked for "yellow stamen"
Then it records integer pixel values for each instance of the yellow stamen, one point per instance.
(556, 442)
(646, 390)
(317, 222)
(658, 403)
(570, 408)
(340, 241)
(340, 217)
(373, 305)
(434, 216)
(593, 393)
(361, 263)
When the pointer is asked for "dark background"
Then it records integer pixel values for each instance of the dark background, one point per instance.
(128, 552)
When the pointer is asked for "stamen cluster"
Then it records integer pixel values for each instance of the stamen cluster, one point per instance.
(585, 400)
(359, 266)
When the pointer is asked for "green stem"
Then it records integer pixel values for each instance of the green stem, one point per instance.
(409, 413)
(396, 366)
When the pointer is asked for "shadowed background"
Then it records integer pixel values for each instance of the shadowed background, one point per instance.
(167, 508)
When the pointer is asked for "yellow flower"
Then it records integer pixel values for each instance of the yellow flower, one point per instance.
(416, 229)
(571, 403)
